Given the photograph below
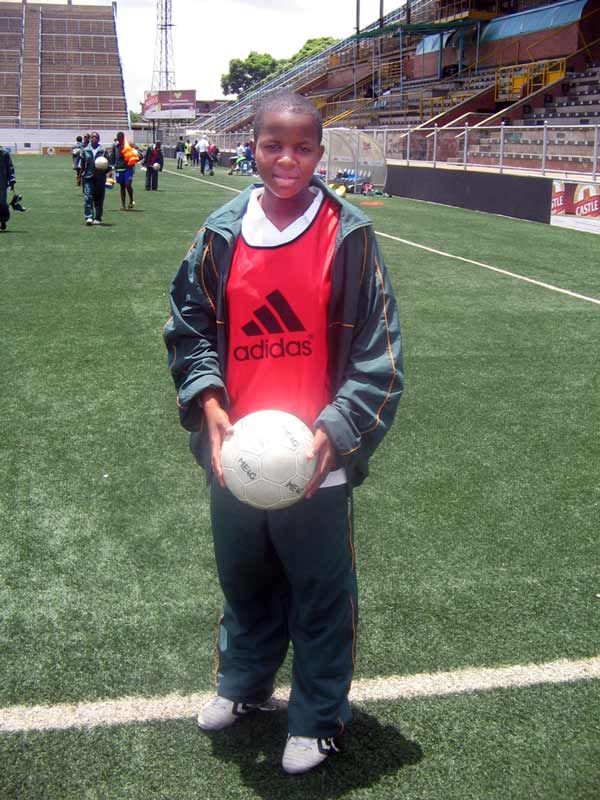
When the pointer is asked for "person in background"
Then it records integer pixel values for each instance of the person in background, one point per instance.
(93, 180)
(180, 152)
(236, 160)
(7, 181)
(213, 152)
(77, 155)
(205, 158)
(124, 172)
(154, 155)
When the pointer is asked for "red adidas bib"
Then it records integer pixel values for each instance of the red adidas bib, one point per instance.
(277, 299)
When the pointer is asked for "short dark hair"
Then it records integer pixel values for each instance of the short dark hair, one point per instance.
(287, 101)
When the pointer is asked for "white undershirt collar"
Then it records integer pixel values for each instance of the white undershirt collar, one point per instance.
(258, 231)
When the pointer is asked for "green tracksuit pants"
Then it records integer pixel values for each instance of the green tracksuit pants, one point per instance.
(288, 575)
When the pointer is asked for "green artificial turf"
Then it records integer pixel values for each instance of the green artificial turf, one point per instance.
(541, 743)
(476, 534)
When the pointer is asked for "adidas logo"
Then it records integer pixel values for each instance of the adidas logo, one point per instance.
(284, 320)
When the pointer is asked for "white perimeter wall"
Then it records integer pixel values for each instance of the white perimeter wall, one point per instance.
(32, 140)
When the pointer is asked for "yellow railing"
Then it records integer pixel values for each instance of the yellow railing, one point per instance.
(414, 104)
(523, 79)
(432, 106)
(335, 112)
(338, 118)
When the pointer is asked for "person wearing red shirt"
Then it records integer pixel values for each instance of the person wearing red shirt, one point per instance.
(154, 155)
(283, 301)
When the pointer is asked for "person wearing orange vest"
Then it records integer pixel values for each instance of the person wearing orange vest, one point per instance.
(283, 302)
(123, 161)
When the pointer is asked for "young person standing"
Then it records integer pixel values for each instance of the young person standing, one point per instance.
(7, 181)
(293, 251)
(93, 180)
(180, 152)
(205, 159)
(153, 155)
(124, 172)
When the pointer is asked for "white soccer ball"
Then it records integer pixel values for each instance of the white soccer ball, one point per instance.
(156, 166)
(264, 459)
(101, 164)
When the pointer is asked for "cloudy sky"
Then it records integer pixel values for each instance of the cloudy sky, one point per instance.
(208, 33)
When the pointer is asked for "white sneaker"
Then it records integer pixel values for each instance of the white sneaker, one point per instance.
(302, 753)
(220, 713)
(88, 220)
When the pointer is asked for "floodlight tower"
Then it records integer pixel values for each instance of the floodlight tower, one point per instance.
(163, 76)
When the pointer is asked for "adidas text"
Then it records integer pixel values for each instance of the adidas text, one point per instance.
(276, 349)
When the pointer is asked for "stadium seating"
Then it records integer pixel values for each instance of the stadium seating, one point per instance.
(313, 72)
(554, 131)
(70, 72)
(11, 30)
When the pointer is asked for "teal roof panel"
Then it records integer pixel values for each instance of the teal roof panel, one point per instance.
(431, 43)
(533, 21)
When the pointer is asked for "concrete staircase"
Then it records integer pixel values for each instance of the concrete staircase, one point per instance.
(30, 80)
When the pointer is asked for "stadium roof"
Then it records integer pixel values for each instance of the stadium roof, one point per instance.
(534, 20)
(418, 28)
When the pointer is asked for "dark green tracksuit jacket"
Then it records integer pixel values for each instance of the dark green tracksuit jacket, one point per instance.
(364, 343)
(304, 554)
(7, 179)
(94, 182)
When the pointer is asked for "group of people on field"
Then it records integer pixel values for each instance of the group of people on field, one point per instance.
(95, 165)
(243, 160)
(201, 153)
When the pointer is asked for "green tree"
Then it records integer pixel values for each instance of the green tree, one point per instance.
(310, 48)
(244, 73)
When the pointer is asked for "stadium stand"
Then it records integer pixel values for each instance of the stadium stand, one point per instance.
(411, 72)
(461, 81)
(60, 67)
(11, 34)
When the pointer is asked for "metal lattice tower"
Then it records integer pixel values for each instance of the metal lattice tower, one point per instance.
(163, 76)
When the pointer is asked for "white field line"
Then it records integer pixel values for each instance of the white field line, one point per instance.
(121, 711)
(202, 180)
(506, 272)
(549, 286)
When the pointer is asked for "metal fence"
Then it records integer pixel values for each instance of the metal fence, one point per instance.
(561, 150)
(551, 150)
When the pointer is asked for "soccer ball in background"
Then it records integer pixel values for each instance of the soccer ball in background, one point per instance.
(264, 459)
(101, 164)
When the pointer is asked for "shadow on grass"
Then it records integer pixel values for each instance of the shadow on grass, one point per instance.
(372, 750)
